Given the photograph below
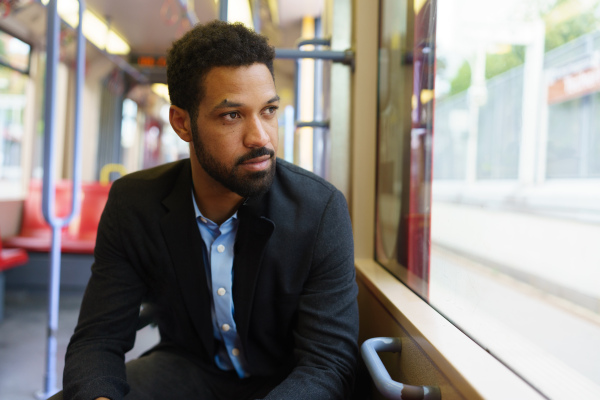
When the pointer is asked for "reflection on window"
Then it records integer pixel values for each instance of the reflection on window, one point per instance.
(404, 151)
(512, 255)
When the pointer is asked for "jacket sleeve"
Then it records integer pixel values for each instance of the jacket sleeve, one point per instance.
(326, 331)
(94, 362)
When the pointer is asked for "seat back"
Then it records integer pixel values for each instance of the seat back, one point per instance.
(10, 258)
(93, 200)
(33, 223)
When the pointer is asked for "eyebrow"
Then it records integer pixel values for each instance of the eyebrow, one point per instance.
(228, 104)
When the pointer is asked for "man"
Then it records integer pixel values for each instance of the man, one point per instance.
(247, 259)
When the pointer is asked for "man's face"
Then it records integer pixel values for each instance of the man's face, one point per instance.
(235, 134)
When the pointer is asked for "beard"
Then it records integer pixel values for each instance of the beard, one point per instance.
(244, 183)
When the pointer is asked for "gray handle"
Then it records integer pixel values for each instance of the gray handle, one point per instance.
(389, 388)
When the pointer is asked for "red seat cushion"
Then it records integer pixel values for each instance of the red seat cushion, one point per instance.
(10, 258)
(79, 236)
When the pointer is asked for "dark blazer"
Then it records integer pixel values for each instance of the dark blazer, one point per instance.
(294, 287)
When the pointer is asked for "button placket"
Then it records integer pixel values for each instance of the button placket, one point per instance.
(222, 283)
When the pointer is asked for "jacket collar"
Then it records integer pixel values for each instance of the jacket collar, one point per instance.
(184, 242)
(254, 231)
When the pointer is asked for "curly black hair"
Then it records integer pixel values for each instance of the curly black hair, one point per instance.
(214, 44)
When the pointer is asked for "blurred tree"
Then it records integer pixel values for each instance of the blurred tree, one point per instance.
(565, 20)
(570, 19)
(462, 80)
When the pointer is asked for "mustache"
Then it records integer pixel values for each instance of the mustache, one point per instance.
(254, 153)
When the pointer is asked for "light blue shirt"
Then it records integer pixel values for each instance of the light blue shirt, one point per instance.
(218, 259)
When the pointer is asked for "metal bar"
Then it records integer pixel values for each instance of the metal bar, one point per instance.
(345, 57)
(256, 16)
(319, 153)
(298, 54)
(312, 124)
(314, 41)
(189, 13)
(297, 91)
(223, 4)
(2, 286)
(52, 35)
(48, 193)
(48, 202)
(389, 388)
(288, 136)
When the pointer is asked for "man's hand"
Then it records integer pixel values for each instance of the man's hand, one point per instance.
(102, 398)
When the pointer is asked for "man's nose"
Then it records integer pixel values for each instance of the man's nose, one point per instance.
(256, 134)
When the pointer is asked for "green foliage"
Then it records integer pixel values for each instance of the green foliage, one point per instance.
(565, 31)
(561, 28)
(462, 80)
(495, 64)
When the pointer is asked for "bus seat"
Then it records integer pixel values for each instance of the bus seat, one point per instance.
(9, 258)
(80, 237)
(35, 233)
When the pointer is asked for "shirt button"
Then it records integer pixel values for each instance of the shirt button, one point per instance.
(220, 248)
(203, 219)
(235, 352)
(221, 291)
(225, 327)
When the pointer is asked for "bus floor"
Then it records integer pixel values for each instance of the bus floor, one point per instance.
(23, 341)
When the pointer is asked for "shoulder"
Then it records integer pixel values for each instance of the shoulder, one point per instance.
(300, 193)
(162, 172)
(155, 180)
(302, 182)
(146, 189)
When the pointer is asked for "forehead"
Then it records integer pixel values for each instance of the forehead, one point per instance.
(249, 83)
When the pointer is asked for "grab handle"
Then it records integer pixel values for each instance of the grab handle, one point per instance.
(389, 388)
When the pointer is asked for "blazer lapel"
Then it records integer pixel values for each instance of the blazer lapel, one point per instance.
(253, 233)
(184, 242)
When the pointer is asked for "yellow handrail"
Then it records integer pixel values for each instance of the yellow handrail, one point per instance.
(108, 168)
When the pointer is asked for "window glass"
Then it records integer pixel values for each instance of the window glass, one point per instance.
(12, 108)
(488, 182)
(14, 53)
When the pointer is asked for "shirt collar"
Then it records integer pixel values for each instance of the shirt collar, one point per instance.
(199, 213)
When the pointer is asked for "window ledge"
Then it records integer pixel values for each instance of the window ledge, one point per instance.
(473, 371)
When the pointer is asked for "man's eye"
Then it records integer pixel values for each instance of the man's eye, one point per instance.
(271, 110)
(231, 115)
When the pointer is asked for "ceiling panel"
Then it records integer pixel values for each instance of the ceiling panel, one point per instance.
(150, 26)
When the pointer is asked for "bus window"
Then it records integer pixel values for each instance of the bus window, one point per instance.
(14, 66)
(488, 190)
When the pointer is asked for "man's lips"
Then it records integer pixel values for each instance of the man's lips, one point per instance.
(258, 163)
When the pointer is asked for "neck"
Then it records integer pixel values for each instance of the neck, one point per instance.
(215, 202)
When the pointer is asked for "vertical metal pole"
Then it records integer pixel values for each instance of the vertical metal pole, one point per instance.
(256, 15)
(319, 153)
(2, 285)
(223, 10)
(189, 9)
(297, 91)
(48, 203)
(296, 103)
(52, 50)
(79, 82)
(289, 133)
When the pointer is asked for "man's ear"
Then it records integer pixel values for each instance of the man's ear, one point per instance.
(181, 123)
